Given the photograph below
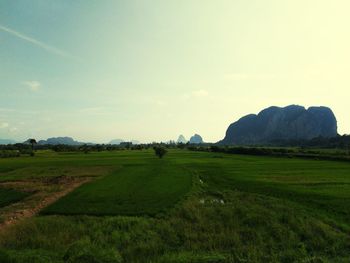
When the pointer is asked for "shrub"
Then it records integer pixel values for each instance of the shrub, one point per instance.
(160, 151)
(83, 251)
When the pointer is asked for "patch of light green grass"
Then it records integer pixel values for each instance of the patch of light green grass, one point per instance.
(133, 190)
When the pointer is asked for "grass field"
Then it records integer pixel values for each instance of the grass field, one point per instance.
(132, 190)
(187, 207)
(9, 196)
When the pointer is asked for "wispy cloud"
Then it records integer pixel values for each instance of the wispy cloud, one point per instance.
(33, 85)
(36, 42)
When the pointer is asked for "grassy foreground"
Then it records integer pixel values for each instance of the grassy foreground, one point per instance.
(205, 207)
(8, 196)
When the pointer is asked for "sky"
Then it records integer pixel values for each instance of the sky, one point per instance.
(152, 70)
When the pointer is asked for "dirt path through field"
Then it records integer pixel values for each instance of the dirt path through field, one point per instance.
(46, 193)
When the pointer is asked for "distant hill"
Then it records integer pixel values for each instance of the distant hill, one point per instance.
(116, 141)
(7, 141)
(196, 139)
(289, 123)
(181, 139)
(121, 141)
(60, 140)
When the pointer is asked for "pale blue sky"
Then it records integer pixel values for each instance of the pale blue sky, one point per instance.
(151, 70)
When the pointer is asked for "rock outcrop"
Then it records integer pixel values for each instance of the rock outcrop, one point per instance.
(196, 139)
(181, 139)
(281, 124)
(60, 140)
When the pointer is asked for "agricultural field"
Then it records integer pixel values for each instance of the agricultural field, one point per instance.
(8, 196)
(130, 206)
(145, 189)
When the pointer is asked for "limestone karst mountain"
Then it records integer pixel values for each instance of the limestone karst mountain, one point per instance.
(196, 139)
(59, 140)
(181, 139)
(289, 123)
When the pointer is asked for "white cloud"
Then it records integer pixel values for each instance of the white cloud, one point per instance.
(33, 85)
(200, 93)
(3, 125)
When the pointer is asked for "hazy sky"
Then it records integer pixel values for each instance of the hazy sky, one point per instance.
(151, 70)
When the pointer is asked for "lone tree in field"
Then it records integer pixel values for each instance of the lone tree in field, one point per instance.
(32, 142)
(159, 151)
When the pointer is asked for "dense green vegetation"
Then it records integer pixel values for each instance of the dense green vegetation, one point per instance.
(204, 207)
(9, 153)
(8, 196)
(133, 190)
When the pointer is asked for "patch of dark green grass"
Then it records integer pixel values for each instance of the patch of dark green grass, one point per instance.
(9, 196)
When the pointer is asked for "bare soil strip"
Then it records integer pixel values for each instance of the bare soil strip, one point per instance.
(45, 192)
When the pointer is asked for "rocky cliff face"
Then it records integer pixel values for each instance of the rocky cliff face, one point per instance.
(289, 123)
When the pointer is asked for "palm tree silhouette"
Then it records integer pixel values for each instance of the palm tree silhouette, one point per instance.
(32, 142)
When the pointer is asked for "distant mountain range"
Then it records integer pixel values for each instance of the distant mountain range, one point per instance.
(289, 123)
(120, 141)
(116, 141)
(195, 139)
(66, 141)
(60, 140)
(273, 124)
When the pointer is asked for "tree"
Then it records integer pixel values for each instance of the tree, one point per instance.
(160, 151)
(32, 142)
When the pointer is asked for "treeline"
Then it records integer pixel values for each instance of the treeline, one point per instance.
(86, 148)
(15, 150)
(322, 148)
(22, 149)
(301, 152)
(340, 142)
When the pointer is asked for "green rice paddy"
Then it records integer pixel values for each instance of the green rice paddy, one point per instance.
(187, 207)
